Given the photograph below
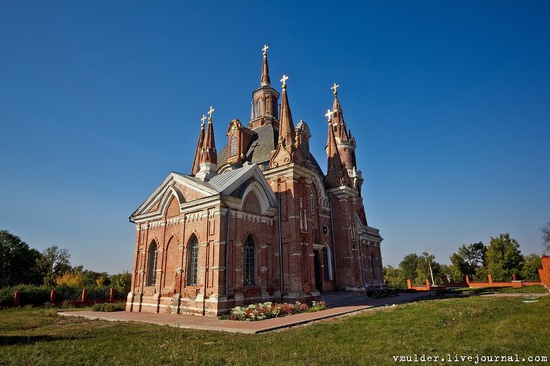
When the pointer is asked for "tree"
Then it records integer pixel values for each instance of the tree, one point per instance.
(17, 261)
(531, 265)
(53, 263)
(122, 282)
(503, 257)
(408, 266)
(546, 237)
(394, 277)
(73, 279)
(467, 261)
(427, 267)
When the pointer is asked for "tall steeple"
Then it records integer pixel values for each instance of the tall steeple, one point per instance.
(345, 142)
(340, 130)
(336, 173)
(284, 152)
(265, 99)
(195, 167)
(264, 79)
(208, 157)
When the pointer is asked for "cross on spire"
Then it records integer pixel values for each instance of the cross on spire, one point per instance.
(283, 80)
(210, 113)
(329, 114)
(335, 88)
(265, 49)
(203, 119)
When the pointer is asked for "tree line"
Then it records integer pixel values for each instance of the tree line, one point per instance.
(501, 259)
(20, 264)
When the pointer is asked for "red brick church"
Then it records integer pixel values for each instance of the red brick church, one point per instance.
(257, 220)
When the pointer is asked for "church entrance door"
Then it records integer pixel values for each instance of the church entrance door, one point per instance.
(318, 270)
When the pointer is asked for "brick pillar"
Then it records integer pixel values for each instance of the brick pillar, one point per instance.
(17, 298)
(427, 284)
(490, 280)
(112, 292)
(544, 272)
(84, 295)
(514, 277)
(409, 284)
(468, 280)
(53, 295)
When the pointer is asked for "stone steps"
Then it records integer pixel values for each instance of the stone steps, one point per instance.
(337, 299)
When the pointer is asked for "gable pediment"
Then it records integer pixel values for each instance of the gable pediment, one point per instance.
(176, 186)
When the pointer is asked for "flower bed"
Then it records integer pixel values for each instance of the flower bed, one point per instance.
(268, 310)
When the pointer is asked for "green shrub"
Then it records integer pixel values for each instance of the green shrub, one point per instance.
(108, 307)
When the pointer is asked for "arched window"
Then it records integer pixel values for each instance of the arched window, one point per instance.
(233, 146)
(326, 264)
(249, 262)
(152, 264)
(192, 261)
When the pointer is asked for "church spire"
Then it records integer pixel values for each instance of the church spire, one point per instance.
(264, 99)
(195, 168)
(264, 79)
(338, 122)
(284, 151)
(208, 158)
(336, 173)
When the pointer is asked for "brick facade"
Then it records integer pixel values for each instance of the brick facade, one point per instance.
(256, 221)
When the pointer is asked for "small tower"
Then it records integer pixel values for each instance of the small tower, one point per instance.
(208, 157)
(336, 173)
(345, 142)
(265, 99)
(195, 168)
(284, 152)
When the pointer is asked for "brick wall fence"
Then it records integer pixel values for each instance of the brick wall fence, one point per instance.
(84, 301)
(544, 274)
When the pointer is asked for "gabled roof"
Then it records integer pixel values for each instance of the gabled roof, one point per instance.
(225, 184)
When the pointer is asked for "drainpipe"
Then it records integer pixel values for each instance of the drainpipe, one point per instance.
(206, 262)
(279, 228)
(333, 244)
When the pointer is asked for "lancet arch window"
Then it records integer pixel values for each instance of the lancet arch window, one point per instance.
(152, 258)
(249, 261)
(192, 261)
(233, 146)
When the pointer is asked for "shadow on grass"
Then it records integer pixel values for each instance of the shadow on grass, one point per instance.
(21, 340)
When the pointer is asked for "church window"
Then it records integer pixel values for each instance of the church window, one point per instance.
(249, 260)
(311, 202)
(152, 264)
(233, 146)
(326, 264)
(192, 261)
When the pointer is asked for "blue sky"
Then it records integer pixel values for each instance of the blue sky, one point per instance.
(449, 103)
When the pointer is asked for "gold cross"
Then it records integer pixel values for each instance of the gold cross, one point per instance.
(203, 119)
(265, 49)
(335, 87)
(283, 80)
(210, 112)
(329, 114)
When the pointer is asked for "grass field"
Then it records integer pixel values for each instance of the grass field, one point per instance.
(460, 327)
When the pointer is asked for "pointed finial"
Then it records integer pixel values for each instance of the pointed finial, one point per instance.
(335, 88)
(329, 115)
(283, 80)
(202, 120)
(210, 113)
(265, 49)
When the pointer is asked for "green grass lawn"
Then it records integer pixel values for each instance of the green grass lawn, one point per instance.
(458, 326)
